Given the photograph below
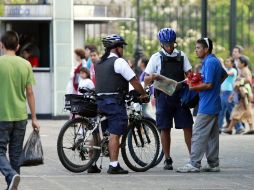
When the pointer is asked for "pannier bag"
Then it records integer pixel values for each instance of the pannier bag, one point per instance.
(78, 104)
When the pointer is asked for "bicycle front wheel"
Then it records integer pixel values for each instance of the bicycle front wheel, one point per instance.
(140, 145)
(75, 153)
(161, 153)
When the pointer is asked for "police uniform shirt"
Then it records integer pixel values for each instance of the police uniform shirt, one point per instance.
(154, 64)
(121, 67)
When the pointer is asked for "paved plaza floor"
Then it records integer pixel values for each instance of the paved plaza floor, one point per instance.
(236, 156)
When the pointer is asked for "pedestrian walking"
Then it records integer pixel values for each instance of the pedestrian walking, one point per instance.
(16, 78)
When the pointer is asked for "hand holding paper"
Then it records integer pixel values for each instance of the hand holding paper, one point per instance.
(165, 84)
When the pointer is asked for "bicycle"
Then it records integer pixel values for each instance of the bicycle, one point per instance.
(82, 141)
(132, 152)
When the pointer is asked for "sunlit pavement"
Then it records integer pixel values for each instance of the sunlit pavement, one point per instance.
(236, 156)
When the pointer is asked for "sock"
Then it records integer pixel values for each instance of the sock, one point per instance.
(114, 163)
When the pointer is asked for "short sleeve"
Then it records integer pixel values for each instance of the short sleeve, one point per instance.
(186, 63)
(153, 65)
(209, 72)
(90, 84)
(30, 77)
(122, 67)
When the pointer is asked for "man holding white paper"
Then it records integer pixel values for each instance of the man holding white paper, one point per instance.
(173, 64)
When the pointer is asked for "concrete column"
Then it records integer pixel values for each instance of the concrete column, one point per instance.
(62, 51)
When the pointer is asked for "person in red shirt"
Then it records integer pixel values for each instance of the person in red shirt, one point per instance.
(28, 55)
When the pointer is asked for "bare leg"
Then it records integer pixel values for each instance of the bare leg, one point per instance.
(165, 141)
(113, 147)
(187, 137)
(233, 122)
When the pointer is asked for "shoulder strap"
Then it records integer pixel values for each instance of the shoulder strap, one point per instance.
(178, 57)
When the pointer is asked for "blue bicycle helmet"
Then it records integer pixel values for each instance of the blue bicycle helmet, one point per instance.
(113, 40)
(166, 35)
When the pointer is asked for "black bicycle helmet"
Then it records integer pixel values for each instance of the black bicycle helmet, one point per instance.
(113, 40)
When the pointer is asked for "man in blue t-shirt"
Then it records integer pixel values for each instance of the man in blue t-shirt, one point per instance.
(205, 137)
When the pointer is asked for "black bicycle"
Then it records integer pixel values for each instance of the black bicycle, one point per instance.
(137, 110)
(82, 140)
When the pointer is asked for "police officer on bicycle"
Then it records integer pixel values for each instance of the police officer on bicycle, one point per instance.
(173, 64)
(113, 75)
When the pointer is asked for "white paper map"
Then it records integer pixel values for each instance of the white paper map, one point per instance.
(165, 84)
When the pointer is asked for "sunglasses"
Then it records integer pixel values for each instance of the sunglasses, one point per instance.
(207, 42)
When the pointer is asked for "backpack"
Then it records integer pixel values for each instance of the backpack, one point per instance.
(189, 98)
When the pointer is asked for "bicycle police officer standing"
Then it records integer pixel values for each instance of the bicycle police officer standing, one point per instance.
(173, 64)
(113, 75)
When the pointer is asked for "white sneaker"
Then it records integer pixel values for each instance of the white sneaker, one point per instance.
(188, 168)
(14, 182)
(208, 168)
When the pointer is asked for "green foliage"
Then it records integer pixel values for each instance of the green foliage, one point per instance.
(185, 17)
(1, 7)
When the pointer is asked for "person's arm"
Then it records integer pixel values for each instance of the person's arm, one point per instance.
(202, 87)
(31, 104)
(230, 73)
(149, 78)
(188, 72)
(138, 87)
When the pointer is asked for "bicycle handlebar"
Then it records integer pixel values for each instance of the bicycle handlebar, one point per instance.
(132, 96)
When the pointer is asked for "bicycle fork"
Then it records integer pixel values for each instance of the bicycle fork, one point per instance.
(139, 134)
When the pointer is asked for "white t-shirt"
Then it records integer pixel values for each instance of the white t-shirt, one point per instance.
(154, 64)
(122, 67)
(85, 83)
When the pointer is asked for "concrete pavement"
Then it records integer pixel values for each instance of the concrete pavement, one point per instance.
(236, 155)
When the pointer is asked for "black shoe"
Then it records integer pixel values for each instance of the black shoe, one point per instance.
(168, 164)
(227, 131)
(116, 170)
(93, 169)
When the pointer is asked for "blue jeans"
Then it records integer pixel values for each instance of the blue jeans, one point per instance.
(226, 107)
(11, 134)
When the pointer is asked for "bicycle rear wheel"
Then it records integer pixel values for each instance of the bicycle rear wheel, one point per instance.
(143, 137)
(76, 154)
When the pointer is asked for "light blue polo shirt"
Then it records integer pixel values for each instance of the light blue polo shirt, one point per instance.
(212, 72)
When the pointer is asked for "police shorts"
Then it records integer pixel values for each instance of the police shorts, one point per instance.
(117, 119)
(169, 108)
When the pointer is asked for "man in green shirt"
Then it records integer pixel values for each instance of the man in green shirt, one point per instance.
(16, 80)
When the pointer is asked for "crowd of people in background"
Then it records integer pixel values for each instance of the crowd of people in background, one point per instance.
(225, 93)
(236, 95)
(230, 101)
(236, 91)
